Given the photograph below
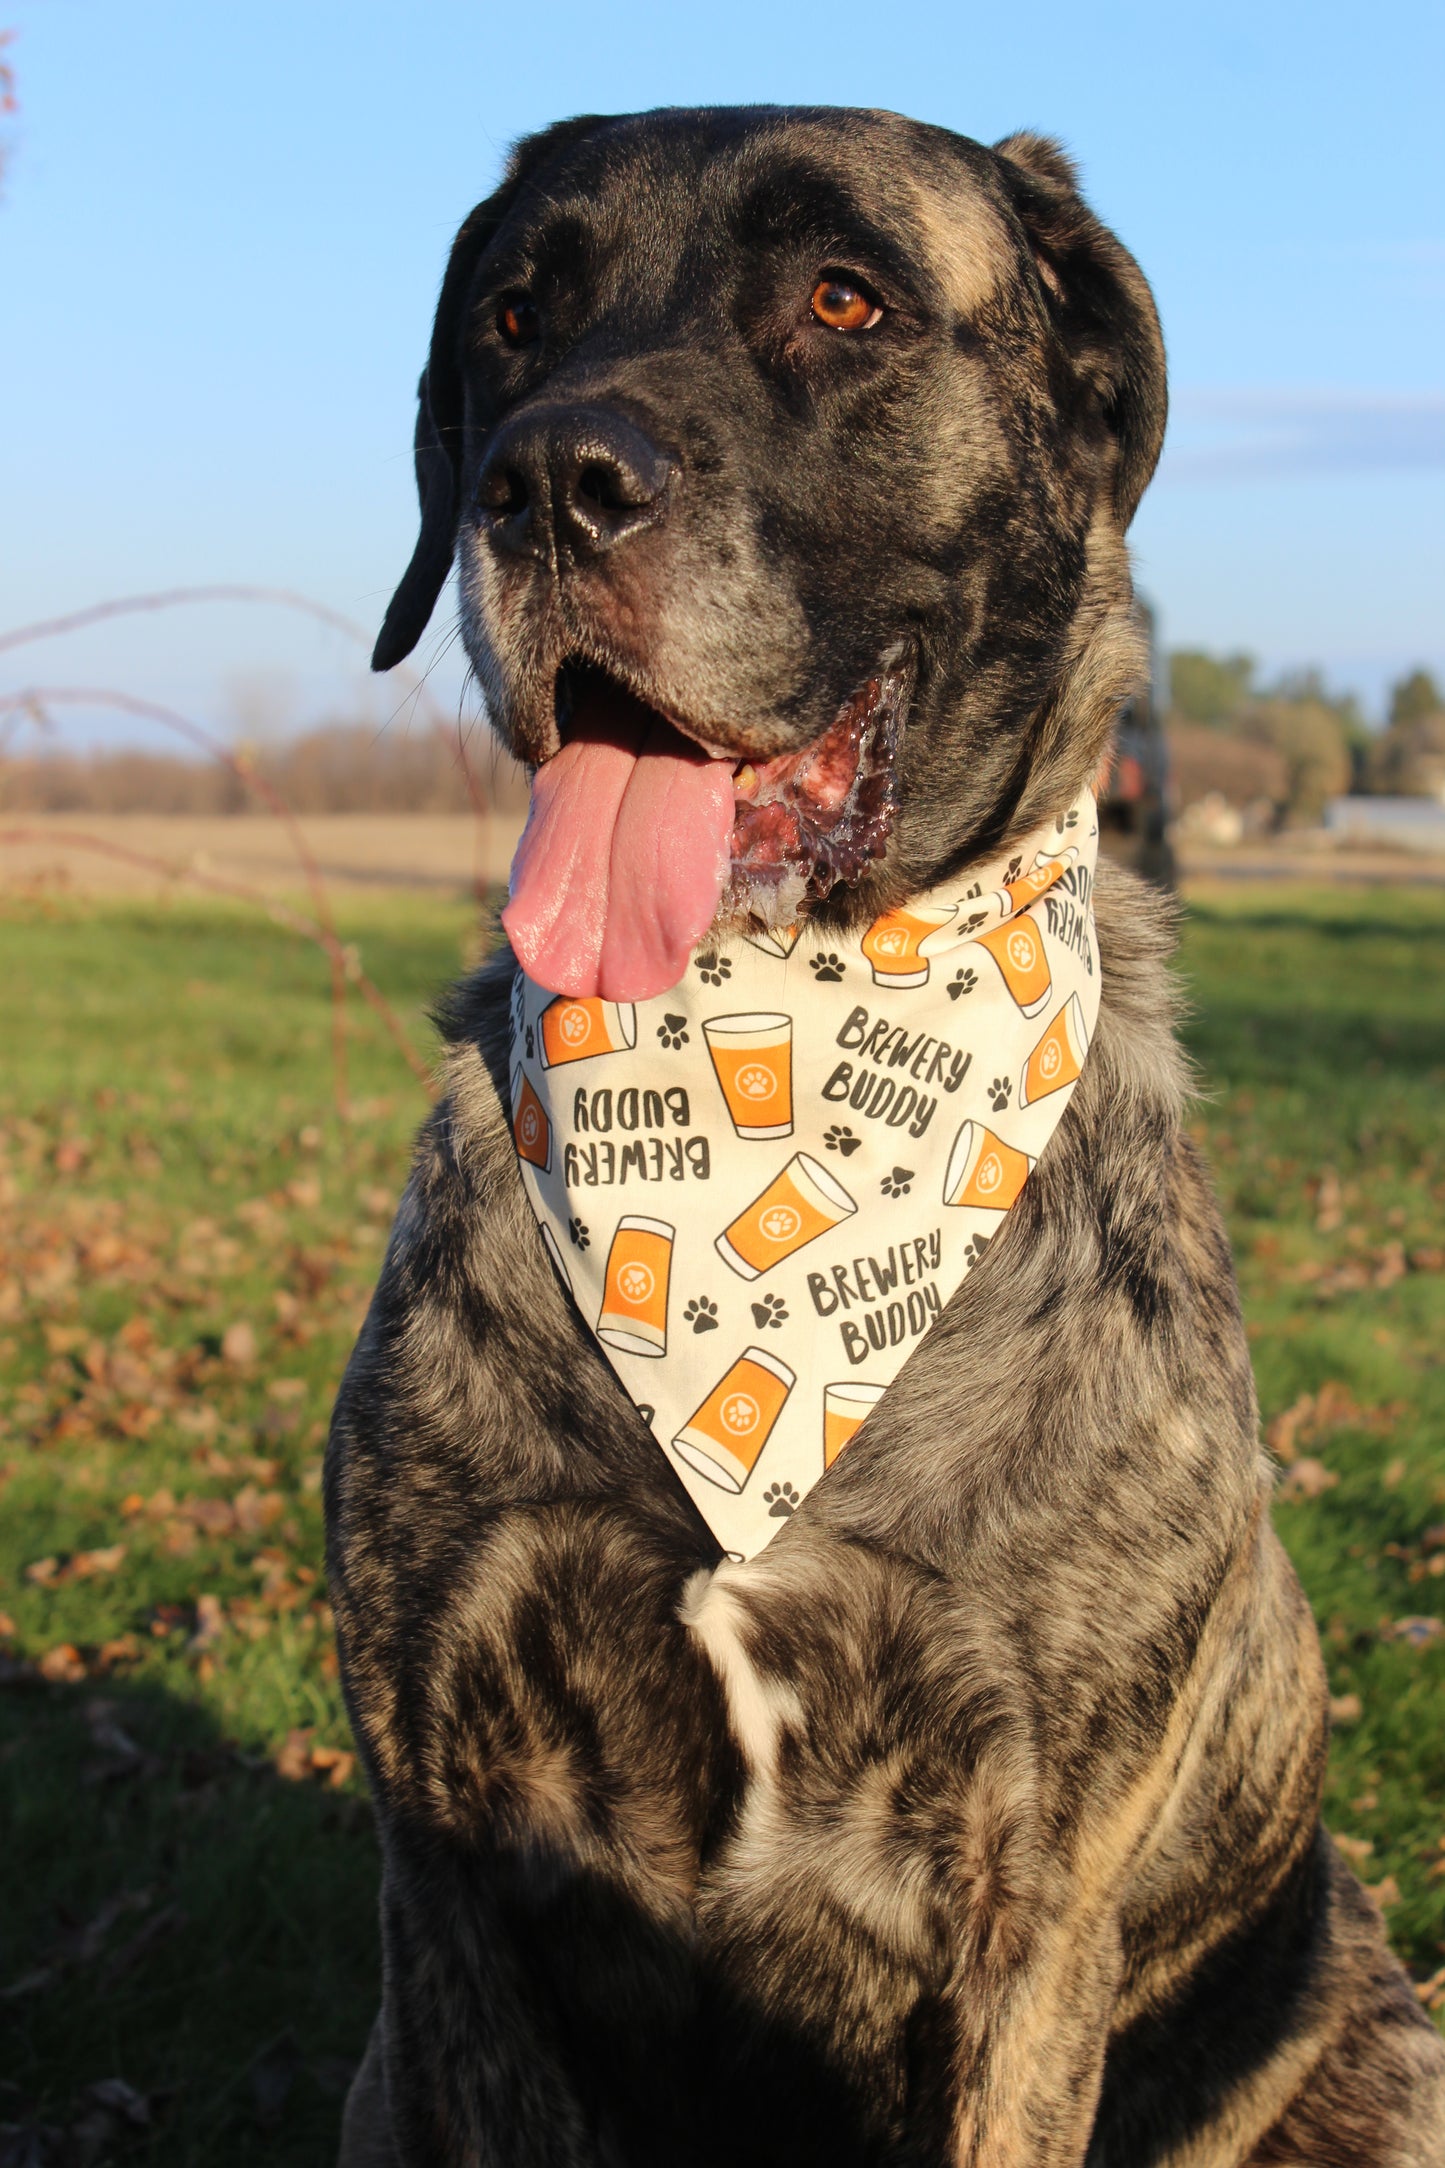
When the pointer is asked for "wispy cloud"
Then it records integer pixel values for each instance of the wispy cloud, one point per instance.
(1255, 435)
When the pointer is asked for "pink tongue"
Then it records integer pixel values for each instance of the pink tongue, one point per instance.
(623, 858)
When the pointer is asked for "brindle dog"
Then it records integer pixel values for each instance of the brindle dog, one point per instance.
(977, 1819)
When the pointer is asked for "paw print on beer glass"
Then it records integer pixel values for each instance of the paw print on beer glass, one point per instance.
(701, 1314)
(841, 1139)
(579, 1234)
(673, 1031)
(898, 1183)
(827, 968)
(772, 1310)
(999, 1093)
(781, 1499)
(962, 982)
(713, 969)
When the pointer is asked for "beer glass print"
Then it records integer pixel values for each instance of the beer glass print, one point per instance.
(531, 1130)
(1030, 886)
(799, 1204)
(634, 1288)
(576, 1030)
(1058, 1057)
(983, 1171)
(779, 941)
(726, 1436)
(846, 1408)
(1017, 947)
(894, 943)
(752, 1056)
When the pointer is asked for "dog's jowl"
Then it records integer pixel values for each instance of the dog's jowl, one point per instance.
(798, 1534)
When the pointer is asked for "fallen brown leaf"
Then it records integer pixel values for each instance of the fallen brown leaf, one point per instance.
(210, 1623)
(1346, 1709)
(292, 1759)
(1355, 1848)
(1306, 1479)
(334, 1763)
(63, 1665)
(238, 1344)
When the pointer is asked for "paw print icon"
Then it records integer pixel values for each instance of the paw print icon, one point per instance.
(673, 1031)
(579, 1234)
(826, 967)
(999, 1093)
(701, 1314)
(781, 1499)
(977, 1245)
(962, 982)
(898, 1183)
(772, 1310)
(713, 969)
(839, 1139)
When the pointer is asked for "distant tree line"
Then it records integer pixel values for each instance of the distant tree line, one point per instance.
(1293, 741)
(337, 768)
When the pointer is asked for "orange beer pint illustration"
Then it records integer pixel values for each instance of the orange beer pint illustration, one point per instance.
(531, 1130)
(1017, 947)
(797, 1206)
(576, 1030)
(1059, 1055)
(1030, 886)
(727, 1434)
(846, 1408)
(753, 1058)
(983, 1170)
(634, 1291)
(893, 945)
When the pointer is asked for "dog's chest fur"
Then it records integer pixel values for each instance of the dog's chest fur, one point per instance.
(961, 1703)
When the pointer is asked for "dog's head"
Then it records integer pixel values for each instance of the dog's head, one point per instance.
(786, 456)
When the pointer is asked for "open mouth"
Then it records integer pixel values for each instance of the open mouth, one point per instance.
(638, 834)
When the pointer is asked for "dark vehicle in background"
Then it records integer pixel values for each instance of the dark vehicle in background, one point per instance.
(1134, 806)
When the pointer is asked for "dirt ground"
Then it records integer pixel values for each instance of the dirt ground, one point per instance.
(137, 854)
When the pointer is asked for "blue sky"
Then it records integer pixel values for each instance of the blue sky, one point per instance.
(221, 232)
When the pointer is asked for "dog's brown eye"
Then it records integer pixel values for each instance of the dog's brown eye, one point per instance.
(843, 307)
(519, 320)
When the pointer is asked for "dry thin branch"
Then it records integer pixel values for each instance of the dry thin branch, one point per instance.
(285, 598)
(36, 699)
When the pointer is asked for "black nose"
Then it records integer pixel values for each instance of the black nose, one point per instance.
(570, 482)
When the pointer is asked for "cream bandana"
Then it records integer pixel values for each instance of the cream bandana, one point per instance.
(762, 1187)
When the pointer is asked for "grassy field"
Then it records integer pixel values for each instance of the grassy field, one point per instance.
(187, 1236)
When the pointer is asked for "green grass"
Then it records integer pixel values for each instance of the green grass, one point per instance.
(189, 1872)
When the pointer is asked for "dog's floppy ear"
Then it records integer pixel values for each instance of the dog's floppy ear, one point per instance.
(1101, 304)
(439, 402)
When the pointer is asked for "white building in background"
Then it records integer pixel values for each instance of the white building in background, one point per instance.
(1407, 824)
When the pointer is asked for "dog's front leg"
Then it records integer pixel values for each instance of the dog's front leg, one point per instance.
(469, 2070)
